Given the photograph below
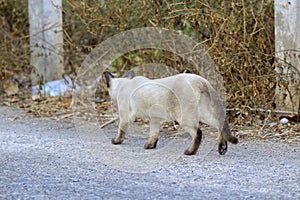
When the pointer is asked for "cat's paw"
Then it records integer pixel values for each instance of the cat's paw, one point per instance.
(188, 152)
(222, 148)
(150, 145)
(116, 141)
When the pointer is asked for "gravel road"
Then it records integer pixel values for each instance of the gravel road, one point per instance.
(41, 158)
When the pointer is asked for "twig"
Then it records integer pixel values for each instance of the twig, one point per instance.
(109, 122)
(245, 22)
(64, 116)
(265, 121)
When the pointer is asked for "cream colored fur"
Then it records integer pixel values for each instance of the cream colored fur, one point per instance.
(185, 98)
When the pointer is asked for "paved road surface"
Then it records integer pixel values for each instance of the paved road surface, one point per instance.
(46, 159)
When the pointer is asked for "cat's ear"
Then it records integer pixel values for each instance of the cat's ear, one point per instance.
(129, 74)
(107, 78)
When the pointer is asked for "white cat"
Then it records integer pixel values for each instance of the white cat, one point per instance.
(185, 98)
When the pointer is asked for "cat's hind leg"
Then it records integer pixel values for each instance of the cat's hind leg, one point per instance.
(222, 147)
(196, 134)
(225, 136)
(154, 130)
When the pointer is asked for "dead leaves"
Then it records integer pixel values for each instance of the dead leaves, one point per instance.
(248, 124)
(11, 88)
(50, 107)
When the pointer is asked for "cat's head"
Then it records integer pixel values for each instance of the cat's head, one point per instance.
(113, 83)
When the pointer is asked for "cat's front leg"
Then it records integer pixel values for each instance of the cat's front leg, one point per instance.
(154, 130)
(123, 125)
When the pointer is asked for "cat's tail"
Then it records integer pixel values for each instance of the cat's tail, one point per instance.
(227, 135)
(218, 110)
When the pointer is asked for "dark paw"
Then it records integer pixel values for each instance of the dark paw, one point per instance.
(222, 148)
(150, 145)
(188, 152)
(116, 141)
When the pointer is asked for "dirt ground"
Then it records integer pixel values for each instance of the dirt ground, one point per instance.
(46, 158)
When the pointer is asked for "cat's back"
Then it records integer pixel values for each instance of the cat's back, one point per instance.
(180, 78)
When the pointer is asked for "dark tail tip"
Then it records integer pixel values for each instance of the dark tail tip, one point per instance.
(233, 140)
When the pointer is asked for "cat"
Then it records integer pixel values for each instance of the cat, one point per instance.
(185, 98)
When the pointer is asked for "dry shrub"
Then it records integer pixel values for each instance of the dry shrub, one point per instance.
(239, 36)
(14, 45)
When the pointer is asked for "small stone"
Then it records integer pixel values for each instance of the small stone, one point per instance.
(284, 121)
(74, 179)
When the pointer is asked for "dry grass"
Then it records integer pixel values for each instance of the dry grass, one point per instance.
(239, 36)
